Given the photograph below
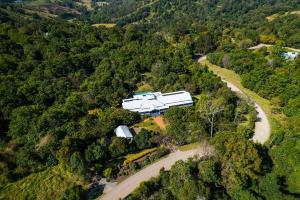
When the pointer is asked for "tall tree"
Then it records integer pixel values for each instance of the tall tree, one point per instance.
(210, 108)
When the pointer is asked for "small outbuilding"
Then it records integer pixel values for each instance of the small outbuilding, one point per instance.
(124, 132)
(290, 55)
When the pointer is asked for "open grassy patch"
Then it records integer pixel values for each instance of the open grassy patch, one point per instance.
(276, 15)
(104, 25)
(132, 157)
(189, 146)
(87, 4)
(48, 184)
(148, 124)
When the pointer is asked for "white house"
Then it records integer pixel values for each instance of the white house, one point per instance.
(124, 132)
(154, 103)
(290, 55)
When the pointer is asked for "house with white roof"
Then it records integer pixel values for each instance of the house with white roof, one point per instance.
(124, 132)
(290, 55)
(155, 103)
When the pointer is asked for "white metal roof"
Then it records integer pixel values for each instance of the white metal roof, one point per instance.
(123, 131)
(291, 55)
(151, 101)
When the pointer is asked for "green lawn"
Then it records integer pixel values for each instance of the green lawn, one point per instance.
(189, 146)
(132, 157)
(104, 25)
(148, 124)
(274, 16)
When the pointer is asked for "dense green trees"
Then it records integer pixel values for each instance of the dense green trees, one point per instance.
(62, 85)
(183, 181)
(240, 160)
(144, 139)
(266, 72)
(74, 193)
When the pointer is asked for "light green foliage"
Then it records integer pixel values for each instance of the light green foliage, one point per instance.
(53, 72)
(240, 160)
(52, 182)
(107, 172)
(132, 157)
(293, 107)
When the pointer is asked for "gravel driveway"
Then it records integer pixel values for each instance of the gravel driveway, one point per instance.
(123, 189)
(127, 186)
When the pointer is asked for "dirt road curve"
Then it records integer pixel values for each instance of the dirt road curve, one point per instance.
(124, 188)
(262, 127)
(269, 45)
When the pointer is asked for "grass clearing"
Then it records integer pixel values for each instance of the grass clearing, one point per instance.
(148, 124)
(274, 16)
(87, 4)
(104, 25)
(189, 147)
(50, 183)
(133, 157)
(145, 87)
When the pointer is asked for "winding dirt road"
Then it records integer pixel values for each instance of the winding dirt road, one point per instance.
(262, 127)
(262, 130)
(127, 186)
(123, 189)
(269, 45)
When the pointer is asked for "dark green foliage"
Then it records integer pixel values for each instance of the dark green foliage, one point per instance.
(143, 139)
(74, 193)
(118, 147)
(209, 171)
(182, 182)
(278, 82)
(96, 152)
(276, 79)
(232, 149)
(54, 73)
(77, 164)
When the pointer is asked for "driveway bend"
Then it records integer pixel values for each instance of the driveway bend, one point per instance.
(124, 188)
(262, 130)
(127, 186)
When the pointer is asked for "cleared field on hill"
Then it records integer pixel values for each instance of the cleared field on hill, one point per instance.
(48, 184)
(104, 25)
(274, 16)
